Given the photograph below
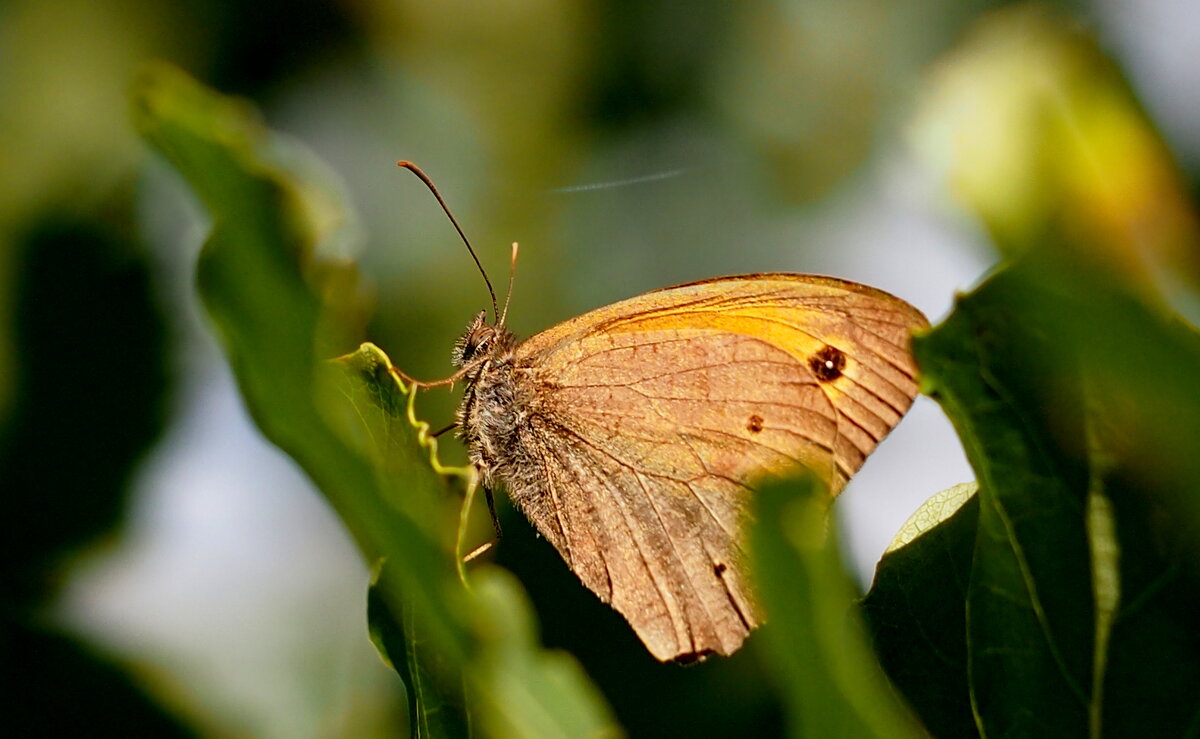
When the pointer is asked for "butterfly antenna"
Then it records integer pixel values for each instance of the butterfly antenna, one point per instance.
(512, 272)
(429, 183)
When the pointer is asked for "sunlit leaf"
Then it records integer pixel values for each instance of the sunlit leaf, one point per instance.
(933, 512)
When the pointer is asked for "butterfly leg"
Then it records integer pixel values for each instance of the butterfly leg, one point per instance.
(486, 546)
(491, 501)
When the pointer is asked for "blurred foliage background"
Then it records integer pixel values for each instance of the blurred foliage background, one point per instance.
(158, 554)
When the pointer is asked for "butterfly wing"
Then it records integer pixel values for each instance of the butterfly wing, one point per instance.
(653, 416)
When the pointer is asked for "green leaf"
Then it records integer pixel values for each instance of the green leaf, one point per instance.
(1029, 600)
(437, 707)
(916, 611)
(1081, 604)
(526, 691)
(1141, 381)
(281, 311)
(263, 287)
(830, 680)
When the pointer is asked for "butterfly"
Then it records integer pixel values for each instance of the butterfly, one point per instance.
(631, 436)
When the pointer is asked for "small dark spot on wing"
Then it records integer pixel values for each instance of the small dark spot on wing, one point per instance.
(692, 658)
(755, 423)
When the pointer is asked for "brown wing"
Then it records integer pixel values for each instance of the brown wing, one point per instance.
(654, 415)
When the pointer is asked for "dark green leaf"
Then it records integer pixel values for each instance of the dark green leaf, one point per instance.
(1141, 374)
(436, 706)
(1029, 604)
(1077, 405)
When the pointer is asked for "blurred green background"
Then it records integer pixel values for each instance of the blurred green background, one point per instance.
(159, 554)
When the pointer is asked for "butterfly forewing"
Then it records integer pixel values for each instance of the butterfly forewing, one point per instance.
(652, 417)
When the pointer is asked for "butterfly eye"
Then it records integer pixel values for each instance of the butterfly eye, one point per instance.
(827, 364)
(476, 343)
(473, 341)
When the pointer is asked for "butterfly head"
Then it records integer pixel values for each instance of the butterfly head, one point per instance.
(480, 342)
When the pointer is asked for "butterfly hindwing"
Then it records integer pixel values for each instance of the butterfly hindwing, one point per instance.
(625, 540)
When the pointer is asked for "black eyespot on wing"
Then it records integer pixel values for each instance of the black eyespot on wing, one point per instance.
(827, 364)
(719, 569)
(755, 423)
